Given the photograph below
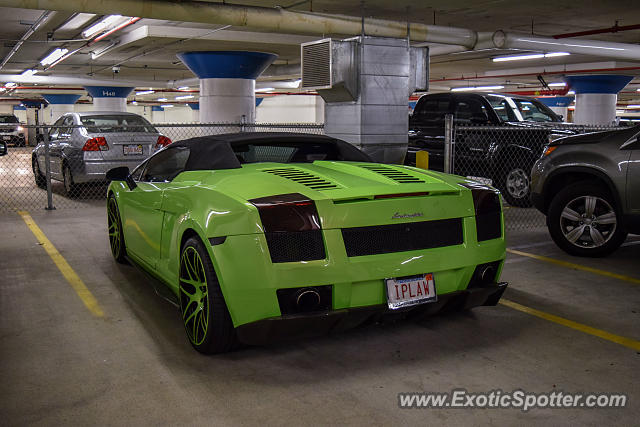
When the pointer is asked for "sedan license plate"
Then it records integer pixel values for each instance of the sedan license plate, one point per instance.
(132, 149)
(407, 291)
(6, 138)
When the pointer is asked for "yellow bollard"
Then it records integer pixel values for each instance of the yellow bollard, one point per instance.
(422, 159)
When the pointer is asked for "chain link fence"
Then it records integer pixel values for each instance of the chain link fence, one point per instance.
(503, 156)
(64, 165)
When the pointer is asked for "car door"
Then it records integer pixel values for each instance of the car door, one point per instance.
(633, 176)
(142, 214)
(61, 143)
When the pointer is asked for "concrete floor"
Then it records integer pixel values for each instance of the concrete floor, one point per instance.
(61, 365)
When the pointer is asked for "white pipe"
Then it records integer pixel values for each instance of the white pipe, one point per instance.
(32, 29)
(503, 40)
(271, 19)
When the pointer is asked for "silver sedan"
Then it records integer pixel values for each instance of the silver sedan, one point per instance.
(84, 146)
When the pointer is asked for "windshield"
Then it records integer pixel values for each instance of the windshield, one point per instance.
(8, 119)
(533, 111)
(116, 123)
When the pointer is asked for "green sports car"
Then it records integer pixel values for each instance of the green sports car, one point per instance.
(261, 236)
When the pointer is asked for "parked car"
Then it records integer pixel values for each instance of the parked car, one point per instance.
(505, 153)
(588, 187)
(84, 146)
(263, 235)
(4, 150)
(11, 131)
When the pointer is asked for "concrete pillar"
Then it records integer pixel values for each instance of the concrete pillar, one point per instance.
(195, 111)
(558, 104)
(58, 105)
(376, 120)
(596, 97)
(227, 83)
(109, 98)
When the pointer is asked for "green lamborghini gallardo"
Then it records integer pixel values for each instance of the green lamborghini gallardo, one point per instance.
(263, 236)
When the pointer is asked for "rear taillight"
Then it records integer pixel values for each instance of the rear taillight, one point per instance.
(291, 226)
(486, 203)
(163, 141)
(98, 143)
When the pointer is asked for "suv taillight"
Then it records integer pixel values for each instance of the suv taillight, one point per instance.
(99, 143)
(163, 141)
(291, 226)
(486, 203)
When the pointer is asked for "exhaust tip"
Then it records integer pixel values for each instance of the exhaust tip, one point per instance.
(488, 274)
(308, 300)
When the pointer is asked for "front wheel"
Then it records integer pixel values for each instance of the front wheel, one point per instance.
(515, 186)
(204, 312)
(583, 220)
(41, 180)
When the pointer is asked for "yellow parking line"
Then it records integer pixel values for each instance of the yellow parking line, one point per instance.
(627, 342)
(74, 280)
(577, 266)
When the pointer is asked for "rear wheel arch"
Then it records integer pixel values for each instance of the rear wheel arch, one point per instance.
(572, 175)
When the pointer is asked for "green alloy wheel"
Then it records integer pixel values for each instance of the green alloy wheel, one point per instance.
(204, 312)
(116, 237)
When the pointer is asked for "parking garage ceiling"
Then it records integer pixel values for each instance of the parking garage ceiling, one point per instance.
(145, 49)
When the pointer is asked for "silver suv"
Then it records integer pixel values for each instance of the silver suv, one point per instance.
(588, 186)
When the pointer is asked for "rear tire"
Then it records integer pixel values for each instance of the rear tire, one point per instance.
(583, 220)
(70, 187)
(204, 312)
(515, 185)
(41, 180)
(116, 235)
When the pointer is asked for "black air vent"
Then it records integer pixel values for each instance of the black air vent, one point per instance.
(303, 178)
(393, 174)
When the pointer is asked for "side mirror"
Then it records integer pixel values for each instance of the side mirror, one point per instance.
(121, 174)
(3, 148)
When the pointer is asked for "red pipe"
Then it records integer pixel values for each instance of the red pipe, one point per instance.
(119, 27)
(613, 29)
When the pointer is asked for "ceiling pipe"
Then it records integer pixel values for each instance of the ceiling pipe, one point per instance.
(615, 29)
(273, 19)
(504, 40)
(32, 29)
(544, 73)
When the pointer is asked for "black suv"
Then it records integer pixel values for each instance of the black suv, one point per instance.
(505, 153)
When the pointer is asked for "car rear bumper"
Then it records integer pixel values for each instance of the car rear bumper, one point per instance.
(315, 324)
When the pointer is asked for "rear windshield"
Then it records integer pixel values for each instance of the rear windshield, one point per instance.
(116, 123)
(534, 111)
(8, 119)
(294, 152)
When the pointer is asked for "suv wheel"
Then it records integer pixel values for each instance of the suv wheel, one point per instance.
(515, 186)
(584, 220)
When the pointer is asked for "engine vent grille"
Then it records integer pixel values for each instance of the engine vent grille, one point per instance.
(393, 174)
(383, 239)
(316, 65)
(304, 178)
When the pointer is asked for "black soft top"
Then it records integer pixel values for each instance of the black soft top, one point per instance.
(220, 151)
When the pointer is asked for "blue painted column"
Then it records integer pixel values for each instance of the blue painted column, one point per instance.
(58, 105)
(109, 98)
(596, 97)
(227, 83)
(558, 104)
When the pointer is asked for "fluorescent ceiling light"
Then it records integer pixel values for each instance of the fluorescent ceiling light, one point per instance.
(108, 23)
(145, 92)
(619, 111)
(560, 84)
(469, 89)
(638, 90)
(10, 84)
(28, 73)
(134, 102)
(529, 56)
(54, 56)
(632, 106)
(183, 88)
(571, 92)
(265, 89)
(162, 99)
(184, 97)
(167, 105)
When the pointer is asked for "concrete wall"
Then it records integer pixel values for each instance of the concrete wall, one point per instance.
(291, 109)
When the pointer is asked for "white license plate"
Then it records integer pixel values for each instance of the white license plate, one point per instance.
(6, 138)
(132, 149)
(409, 291)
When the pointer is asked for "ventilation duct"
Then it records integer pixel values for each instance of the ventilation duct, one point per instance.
(331, 68)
